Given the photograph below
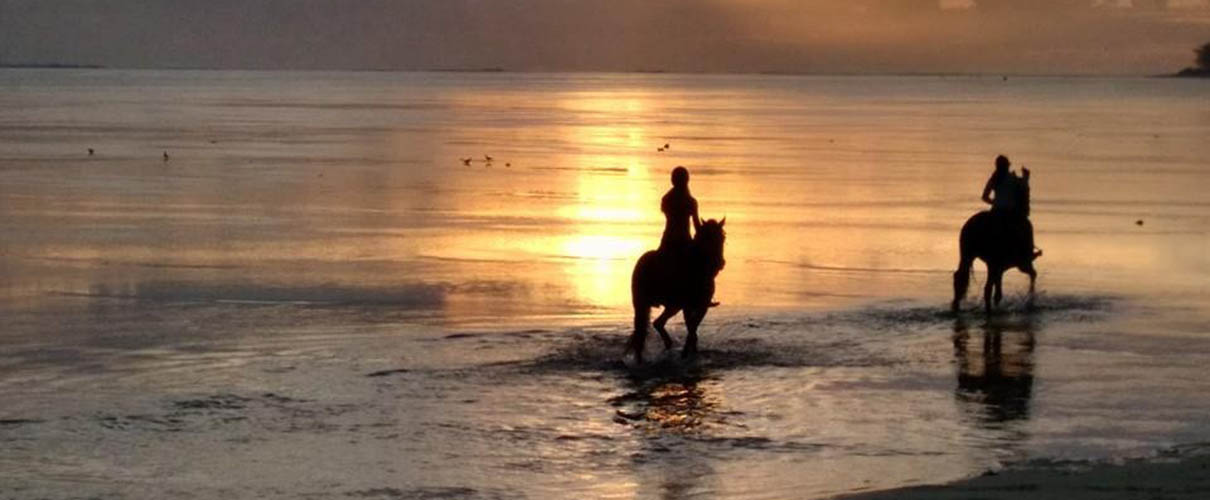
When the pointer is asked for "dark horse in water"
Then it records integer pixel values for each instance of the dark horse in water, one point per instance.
(679, 283)
(999, 241)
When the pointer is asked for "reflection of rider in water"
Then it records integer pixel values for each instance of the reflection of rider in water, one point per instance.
(678, 207)
(1010, 201)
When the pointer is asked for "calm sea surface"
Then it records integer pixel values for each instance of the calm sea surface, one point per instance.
(314, 295)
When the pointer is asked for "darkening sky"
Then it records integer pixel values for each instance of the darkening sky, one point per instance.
(816, 36)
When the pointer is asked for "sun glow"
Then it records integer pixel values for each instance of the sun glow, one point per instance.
(600, 267)
(615, 213)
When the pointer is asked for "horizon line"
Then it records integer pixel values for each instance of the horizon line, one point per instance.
(74, 66)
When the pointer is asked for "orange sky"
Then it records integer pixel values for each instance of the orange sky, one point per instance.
(853, 36)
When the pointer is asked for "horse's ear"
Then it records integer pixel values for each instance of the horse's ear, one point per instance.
(722, 222)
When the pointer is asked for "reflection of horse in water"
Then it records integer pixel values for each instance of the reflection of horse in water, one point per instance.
(679, 283)
(1001, 380)
(675, 420)
(1002, 241)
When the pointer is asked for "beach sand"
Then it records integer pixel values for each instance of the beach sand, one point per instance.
(1171, 478)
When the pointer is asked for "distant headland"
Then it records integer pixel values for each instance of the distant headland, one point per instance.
(1193, 73)
(467, 70)
(50, 65)
(1202, 69)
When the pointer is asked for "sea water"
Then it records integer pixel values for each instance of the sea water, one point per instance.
(305, 284)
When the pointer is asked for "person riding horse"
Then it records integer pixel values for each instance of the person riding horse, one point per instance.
(679, 207)
(1011, 203)
(680, 274)
(1001, 237)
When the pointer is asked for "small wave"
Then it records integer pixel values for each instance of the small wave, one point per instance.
(434, 493)
(829, 339)
(277, 413)
(1047, 306)
(608, 170)
(14, 422)
(853, 269)
(404, 296)
(603, 352)
(411, 296)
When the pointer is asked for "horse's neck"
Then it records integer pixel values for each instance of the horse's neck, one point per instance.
(704, 260)
(1023, 196)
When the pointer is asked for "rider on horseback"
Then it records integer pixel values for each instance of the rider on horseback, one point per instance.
(679, 207)
(1011, 202)
(679, 276)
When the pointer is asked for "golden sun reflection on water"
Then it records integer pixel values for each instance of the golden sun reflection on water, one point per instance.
(607, 237)
(615, 208)
(601, 267)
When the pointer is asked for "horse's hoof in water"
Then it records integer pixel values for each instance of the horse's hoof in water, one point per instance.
(638, 356)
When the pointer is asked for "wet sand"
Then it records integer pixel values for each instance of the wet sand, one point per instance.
(1171, 478)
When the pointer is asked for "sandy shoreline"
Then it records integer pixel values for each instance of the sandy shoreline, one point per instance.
(1181, 477)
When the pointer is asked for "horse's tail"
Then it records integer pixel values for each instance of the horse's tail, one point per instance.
(639, 293)
(962, 281)
(966, 258)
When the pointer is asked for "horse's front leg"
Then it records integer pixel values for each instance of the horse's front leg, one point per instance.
(1033, 280)
(988, 288)
(693, 318)
(999, 288)
(660, 321)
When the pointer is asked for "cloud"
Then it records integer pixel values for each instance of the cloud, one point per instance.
(1044, 36)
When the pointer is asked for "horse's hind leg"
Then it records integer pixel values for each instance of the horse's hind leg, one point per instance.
(693, 318)
(661, 320)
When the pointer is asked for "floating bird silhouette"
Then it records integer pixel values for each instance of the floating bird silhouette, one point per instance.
(165, 156)
(487, 158)
(666, 146)
(466, 161)
(90, 151)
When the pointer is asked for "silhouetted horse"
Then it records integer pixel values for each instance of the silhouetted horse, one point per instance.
(999, 241)
(679, 283)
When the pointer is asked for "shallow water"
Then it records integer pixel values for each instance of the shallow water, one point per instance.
(315, 297)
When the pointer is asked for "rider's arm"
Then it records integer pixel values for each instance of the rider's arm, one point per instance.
(987, 190)
(697, 222)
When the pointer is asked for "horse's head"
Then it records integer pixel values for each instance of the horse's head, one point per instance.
(709, 242)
